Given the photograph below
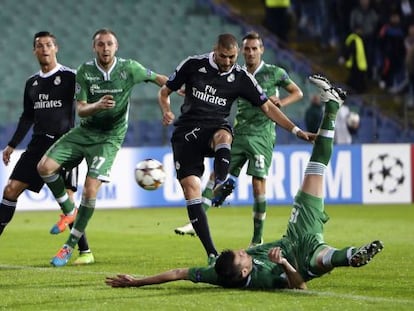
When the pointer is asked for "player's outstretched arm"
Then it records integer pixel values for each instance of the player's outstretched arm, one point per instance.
(160, 80)
(125, 280)
(294, 278)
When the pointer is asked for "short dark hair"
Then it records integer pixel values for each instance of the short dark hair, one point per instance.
(252, 35)
(41, 34)
(227, 41)
(228, 273)
(103, 31)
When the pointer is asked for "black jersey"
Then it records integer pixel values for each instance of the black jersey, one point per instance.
(210, 93)
(48, 104)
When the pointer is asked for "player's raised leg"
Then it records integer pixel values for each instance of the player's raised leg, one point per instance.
(222, 191)
(224, 184)
(326, 258)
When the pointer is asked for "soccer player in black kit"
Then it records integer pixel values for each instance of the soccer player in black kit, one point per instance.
(49, 106)
(212, 83)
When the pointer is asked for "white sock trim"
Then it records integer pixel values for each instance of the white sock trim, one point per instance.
(260, 198)
(9, 203)
(194, 201)
(63, 198)
(210, 184)
(349, 253)
(223, 145)
(327, 258)
(259, 216)
(76, 233)
(326, 133)
(206, 201)
(315, 168)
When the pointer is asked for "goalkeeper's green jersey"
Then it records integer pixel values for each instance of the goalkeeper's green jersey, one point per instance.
(92, 83)
(251, 121)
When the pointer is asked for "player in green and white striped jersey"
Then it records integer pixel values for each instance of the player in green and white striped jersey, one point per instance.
(103, 88)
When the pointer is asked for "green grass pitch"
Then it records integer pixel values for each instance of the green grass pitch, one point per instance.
(142, 242)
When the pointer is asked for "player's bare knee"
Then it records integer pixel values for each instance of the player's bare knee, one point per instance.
(89, 192)
(91, 187)
(12, 192)
(222, 136)
(191, 186)
(47, 166)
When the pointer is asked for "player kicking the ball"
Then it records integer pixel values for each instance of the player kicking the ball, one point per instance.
(301, 254)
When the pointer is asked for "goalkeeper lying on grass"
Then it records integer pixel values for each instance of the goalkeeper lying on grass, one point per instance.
(301, 254)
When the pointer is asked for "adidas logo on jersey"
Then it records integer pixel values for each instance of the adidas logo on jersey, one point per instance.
(202, 69)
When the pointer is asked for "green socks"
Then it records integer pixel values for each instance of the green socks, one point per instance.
(57, 186)
(207, 195)
(86, 209)
(259, 216)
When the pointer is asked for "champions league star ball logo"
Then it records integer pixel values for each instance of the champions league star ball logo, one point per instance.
(386, 174)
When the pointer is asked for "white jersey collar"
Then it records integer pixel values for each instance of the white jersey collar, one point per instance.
(106, 74)
(257, 69)
(51, 72)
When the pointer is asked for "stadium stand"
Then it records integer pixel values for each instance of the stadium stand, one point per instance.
(367, 134)
(159, 34)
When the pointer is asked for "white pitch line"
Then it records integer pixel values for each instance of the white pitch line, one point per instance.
(49, 269)
(307, 292)
(355, 297)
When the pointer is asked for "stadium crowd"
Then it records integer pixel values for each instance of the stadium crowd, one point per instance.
(374, 37)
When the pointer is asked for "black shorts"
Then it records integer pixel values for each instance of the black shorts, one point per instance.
(25, 169)
(190, 147)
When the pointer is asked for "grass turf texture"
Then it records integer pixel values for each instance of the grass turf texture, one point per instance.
(142, 242)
